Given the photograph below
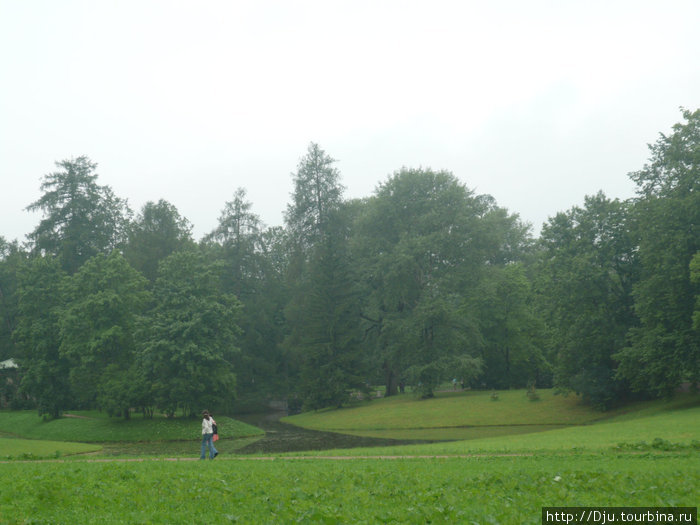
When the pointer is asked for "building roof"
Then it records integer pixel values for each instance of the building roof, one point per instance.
(9, 363)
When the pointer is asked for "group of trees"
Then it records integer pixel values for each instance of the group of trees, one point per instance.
(422, 282)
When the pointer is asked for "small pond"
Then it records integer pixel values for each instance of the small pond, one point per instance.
(282, 437)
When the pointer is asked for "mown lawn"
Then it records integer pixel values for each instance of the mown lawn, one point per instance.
(28, 449)
(672, 429)
(96, 427)
(472, 415)
(453, 490)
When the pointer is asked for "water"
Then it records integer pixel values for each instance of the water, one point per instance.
(282, 437)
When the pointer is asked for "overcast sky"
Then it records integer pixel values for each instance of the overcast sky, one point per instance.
(537, 103)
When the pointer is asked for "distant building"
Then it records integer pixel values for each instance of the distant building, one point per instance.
(9, 363)
(9, 381)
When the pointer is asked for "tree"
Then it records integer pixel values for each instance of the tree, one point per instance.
(695, 278)
(585, 275)
(104, 301)
(317, 194)
(312, 219)
(81, 218)
(253, 273)
(324, 336)
(45, 371)
(12, 257)
(510, 332)
(189, 338)
(419, 242)
(664, 350)
(158, 231)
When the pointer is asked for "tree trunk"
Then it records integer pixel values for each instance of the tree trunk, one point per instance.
(390, 380)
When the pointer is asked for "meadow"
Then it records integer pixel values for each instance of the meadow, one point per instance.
(476, 490)
(25, 435)
(645, 455)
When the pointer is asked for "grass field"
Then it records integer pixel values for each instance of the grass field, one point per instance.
(453, 490)
(25, 449)
(646, 455)
(25, 435)
(97, 427)
(466, 413)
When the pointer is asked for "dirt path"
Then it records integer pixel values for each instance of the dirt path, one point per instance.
(266, 458)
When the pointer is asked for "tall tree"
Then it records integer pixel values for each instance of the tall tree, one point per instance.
(158, 231)
(510, 332)
(250, 271)
(418, 238)
(104, 300)
(12, 257)
(325, 334)
(317, 194)
(695, 278)
(584, 283)
(312, 219)
(238, 233)
(189, 338)
(81, 218)
(45, 371)
(665, 348)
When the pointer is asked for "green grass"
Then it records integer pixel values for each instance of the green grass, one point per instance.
(678, 428)
(96, 427)
(454, 490)
(475, 408)
(581, 465)
(33, 449)
(470, 415)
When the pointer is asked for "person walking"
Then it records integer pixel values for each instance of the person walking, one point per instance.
(207, 434)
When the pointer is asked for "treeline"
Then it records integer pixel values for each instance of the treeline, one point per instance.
(422, 282)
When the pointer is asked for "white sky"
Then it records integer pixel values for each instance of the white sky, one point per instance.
(537, 103)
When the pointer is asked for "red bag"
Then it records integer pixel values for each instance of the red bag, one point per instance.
(215, 437)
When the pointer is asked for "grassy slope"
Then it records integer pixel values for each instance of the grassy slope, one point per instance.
(680, 427)
(22, 448)
(676, 421)
(93, 427)
(473, 409)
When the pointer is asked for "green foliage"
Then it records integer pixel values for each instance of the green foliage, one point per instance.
(104, 299)
(45, 370)
(585, 275)
(317, 195)
(12, 257)
(254, 267)
(695, 278)
(426, 378)
(424, 240)
(81, 218)
(189, 339)
(402, 286)
(158, 231)
(665, 348)
(510, 332)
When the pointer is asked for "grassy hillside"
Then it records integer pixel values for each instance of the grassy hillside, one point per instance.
(474, 416)
(26, 449)
(96, 427)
